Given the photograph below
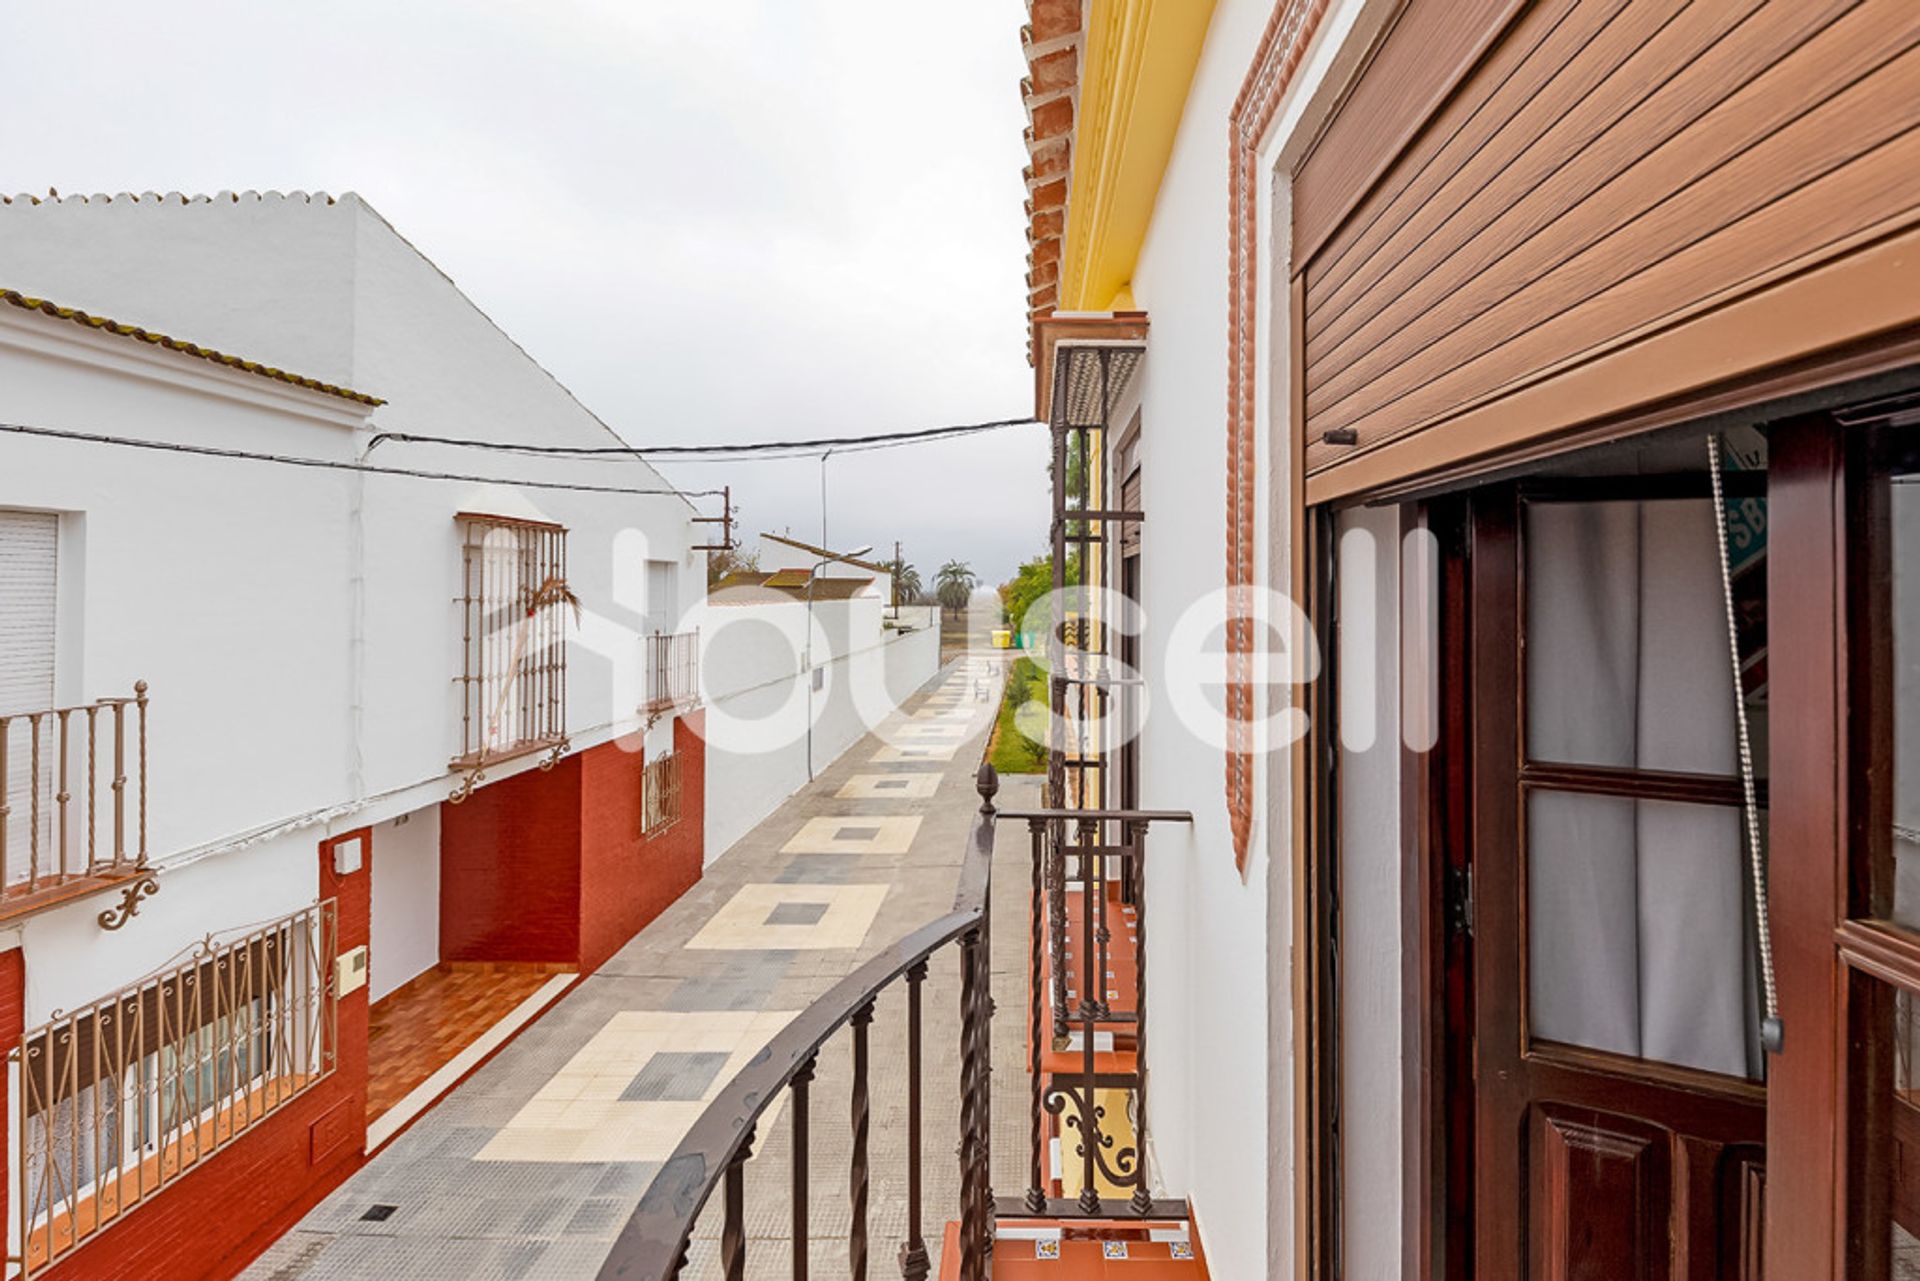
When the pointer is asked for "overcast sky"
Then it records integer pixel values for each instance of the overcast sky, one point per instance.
(754, 220)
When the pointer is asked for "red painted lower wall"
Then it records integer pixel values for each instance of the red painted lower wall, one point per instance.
(549, 866)
(627, 880)
(231, 1206)
(13, 1026)
(510, 869)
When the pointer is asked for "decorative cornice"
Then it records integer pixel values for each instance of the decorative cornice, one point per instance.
(1140, 60)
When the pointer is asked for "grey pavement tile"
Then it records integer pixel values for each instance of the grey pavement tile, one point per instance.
(675, 1076)
(796, 913)
(825, 869)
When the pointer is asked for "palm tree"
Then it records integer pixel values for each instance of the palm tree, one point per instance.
(906, 581)
(954, 585)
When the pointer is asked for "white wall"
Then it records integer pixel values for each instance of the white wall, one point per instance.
(1220, 1056)
(406, 900)
(298, 627)
(1209, 1038)
(757, 699)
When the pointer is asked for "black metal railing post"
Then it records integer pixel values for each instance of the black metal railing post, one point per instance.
(733, 1235)
(914, 1263)
(1036, 1028)
(1142, 1201)
(802, 1173)
(858, 1174)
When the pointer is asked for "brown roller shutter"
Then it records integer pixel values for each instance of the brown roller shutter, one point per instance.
(1612, 186)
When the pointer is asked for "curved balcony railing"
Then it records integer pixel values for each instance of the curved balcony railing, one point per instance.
(654, 1244)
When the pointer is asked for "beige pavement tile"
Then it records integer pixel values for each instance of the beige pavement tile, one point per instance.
(903, 786)
(914, 731)
(792, 917)
(855, 834)
(895, 754)
(580, 1114)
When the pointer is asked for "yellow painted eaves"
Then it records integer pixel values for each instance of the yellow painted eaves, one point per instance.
(1140, 58)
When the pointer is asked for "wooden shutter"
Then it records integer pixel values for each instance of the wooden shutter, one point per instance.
(1614, 203)
(29, 543)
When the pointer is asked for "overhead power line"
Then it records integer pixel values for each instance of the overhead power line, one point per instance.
(330, 464)
(748, 449)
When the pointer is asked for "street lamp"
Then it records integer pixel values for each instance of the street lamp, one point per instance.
(812, 574)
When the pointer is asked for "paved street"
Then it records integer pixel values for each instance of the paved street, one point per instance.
(530, 1167)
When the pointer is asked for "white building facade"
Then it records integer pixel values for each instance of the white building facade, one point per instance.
(350, 679)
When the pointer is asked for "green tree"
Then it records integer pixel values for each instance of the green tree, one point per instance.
(953, 585)
(1023, 598)
(906, 581)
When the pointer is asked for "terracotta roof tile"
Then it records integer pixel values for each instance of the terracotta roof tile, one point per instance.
(746, 587)
(1052, 40)
(107, 325)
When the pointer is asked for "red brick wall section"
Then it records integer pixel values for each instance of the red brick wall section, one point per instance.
(627, 880)
(510, 869)
(13, 1025)
(231, 1206)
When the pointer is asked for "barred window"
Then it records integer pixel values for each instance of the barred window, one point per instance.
(660, 794)
(514, 603)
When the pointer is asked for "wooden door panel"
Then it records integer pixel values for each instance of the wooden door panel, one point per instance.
(1590, 1166)
(1598, 1204)
(1743, 1204)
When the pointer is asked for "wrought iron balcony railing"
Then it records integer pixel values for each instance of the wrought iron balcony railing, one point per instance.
(654, 1244)
(68, 825)
(120, 1099)
(673, 671)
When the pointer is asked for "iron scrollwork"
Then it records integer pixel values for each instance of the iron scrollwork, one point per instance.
(115, 917)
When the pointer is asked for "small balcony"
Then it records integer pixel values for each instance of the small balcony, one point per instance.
(73, 801)
(673, 672)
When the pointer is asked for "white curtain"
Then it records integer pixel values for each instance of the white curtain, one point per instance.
(1638, 934)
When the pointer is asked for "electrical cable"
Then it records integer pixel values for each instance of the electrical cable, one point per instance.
(329, 464)
(785, 448)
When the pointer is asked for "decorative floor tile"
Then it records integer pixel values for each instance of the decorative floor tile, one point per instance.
(889, 787)
(746, 922)
(930, 729)
(855, 834)
(893, 754)
(633, 1090)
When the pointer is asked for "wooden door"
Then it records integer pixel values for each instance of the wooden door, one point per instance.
(1598, 1155)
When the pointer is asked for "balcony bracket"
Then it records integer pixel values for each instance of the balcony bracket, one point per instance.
(130, 895)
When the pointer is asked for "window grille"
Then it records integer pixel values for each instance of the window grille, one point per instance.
(673, 671)
(660, 794)
(120, 1099)
(514, 602)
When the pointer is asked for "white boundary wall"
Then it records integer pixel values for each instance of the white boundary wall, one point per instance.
(756, 698)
